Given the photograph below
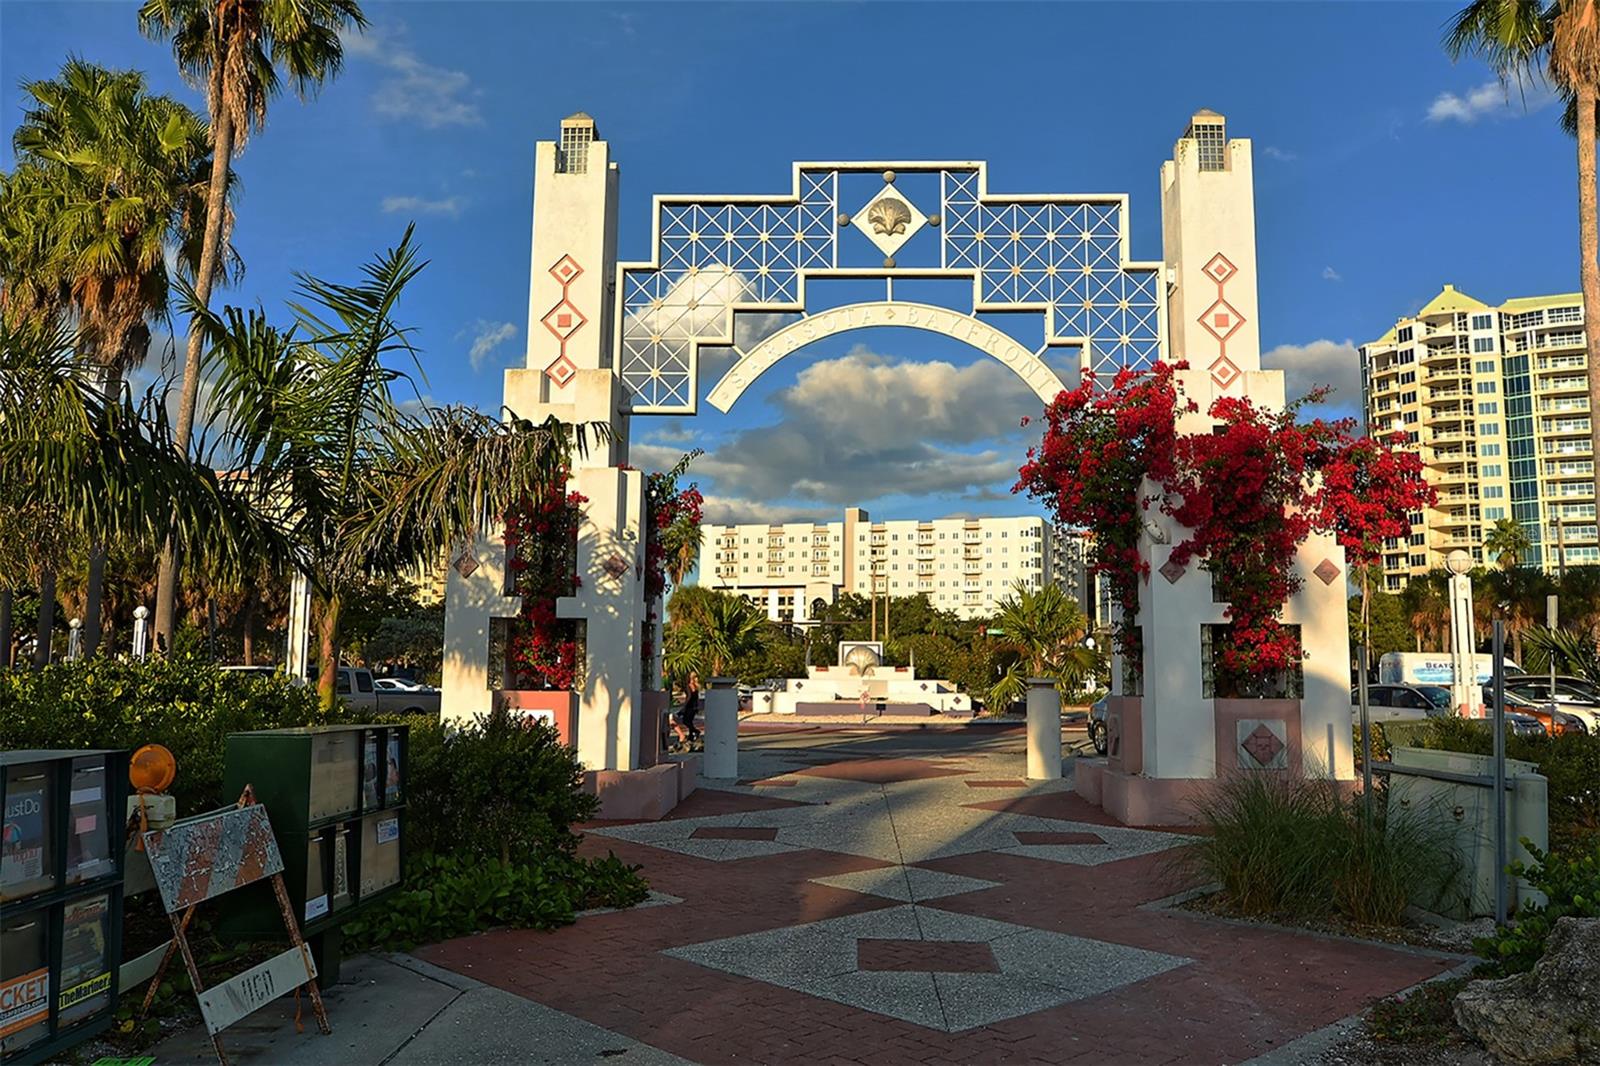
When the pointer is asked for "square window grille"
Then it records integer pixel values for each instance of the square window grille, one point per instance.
(1210, 140)
(1215, 683)
(572, 154)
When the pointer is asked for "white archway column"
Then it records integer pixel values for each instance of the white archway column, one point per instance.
(1044, 730)
(722, 730)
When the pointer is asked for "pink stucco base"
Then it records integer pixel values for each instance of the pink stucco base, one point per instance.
(652, 707)
(1125, 734)
(1229, 713)
(1134, 799)
(559, 705)
(641, 795)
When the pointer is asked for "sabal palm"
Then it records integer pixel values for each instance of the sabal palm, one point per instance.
(1426, 605)
(1524, 41)
(1508, 542)
(118, 176)
(1041, 624)
(357, 485)
(725, 628)
(235, 50)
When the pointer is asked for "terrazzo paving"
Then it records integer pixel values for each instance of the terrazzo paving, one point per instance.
(898, 898)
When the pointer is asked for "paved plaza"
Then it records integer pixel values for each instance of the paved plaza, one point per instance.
(907, 897)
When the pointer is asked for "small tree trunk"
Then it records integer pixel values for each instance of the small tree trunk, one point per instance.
(5, 629)
(210, 261)
(328, 633)
(250, 626)
(47, 618)
(93, 598)
(1588, 250)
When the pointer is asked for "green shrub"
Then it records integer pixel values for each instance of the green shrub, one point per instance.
(184, 704)
(1294, 849)
(1571, 884)
(453, 895)
(500, 789)
(1424, 1016)
(1569, 762)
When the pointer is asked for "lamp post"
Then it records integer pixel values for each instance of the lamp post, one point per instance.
(1463, 668)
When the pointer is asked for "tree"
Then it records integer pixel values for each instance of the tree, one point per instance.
(726, 628)
(360, 488)
(1386, 622)
(1425, 604)
(109, 176)
(1044, 628)
(1525, 41)
(235, 49)
(1508, 542)
(1519, 594)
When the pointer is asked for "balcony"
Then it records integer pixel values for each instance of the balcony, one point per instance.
(1565, 426)
(1448, 454)
(1565, 447)
(1567, 384)
(1578, 404)
(1450, 435)
(1561, 362)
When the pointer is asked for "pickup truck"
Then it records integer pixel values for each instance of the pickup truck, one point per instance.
(355, 685)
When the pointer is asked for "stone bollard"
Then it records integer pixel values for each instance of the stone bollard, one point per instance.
(722, 730)
(1044, 730)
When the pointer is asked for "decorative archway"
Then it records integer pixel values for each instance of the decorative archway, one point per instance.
(1063, 256)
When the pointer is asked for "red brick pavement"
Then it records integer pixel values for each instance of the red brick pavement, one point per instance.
(1250, 989)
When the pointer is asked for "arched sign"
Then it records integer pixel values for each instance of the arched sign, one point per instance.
(1023, 362)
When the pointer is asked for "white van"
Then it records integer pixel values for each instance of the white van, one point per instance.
(1433, 668)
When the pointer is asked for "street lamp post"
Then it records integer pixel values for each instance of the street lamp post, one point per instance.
(1463, 668)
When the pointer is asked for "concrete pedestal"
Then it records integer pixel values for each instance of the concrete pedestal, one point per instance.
(722, 730)
(1044, 730)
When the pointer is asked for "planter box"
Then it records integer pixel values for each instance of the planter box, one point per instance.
(559, 707)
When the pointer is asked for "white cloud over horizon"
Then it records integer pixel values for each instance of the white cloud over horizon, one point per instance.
(486, 337)
(414, 90)
(449, 206)
(1335, 364)
(1490, 100)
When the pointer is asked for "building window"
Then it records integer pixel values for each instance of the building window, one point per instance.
(1489, 450)
(1211, 144)
(1493, 514)
(1488, 429)
(1494, 492)
(1491, 470)
(572, 154)
(1489, 408)
(1404, 336)
(1483, 344)
(1487, 387)
(1483, 322)
(1484, 366)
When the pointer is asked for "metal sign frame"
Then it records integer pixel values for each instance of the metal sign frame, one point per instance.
(207, 856)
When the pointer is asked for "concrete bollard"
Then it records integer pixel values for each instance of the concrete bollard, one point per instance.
(722, 730)
(1044, 730)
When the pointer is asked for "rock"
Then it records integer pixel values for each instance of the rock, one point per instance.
(1549, 1015)
(1458, 936)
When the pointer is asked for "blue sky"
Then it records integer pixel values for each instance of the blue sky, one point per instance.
(1382, 171)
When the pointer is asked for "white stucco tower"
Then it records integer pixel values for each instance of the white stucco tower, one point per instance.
(1170, 735)
(568, 374)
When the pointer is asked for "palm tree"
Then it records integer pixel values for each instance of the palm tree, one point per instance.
(1525, 41)
(1508, 542)
(358, 486)
(1519, 593)
(724, 628)
(111, 176)
(1044, 628)
(1426, 605)
(235, 49)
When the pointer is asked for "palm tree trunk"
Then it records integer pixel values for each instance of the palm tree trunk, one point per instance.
(249, 613)
(328, 632)
(93, 598)
(210, 261)
(5, 629)
(47, 618)
(1588, 251)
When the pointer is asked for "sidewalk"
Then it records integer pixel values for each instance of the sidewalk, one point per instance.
(396, 1010)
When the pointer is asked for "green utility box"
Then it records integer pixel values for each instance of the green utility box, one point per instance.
(336, 798)
(60, 898)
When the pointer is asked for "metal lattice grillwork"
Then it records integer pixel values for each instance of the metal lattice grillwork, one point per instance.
(1070, 257)
(572, 155)
(1065, 256)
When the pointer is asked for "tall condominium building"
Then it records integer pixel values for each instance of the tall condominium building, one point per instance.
(964, 565)
(1496, 401)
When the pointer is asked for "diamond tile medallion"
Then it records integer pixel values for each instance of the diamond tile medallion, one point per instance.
(1326, 571)
(1260, 741)
(1033, 969)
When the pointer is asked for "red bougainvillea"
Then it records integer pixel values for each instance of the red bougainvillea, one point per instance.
(1099, 445)
(1249, 492)
(541, 549)
(672, 518)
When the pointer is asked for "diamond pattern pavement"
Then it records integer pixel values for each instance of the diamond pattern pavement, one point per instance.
(1038, 969)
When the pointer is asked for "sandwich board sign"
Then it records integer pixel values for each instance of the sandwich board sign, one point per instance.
(206, 856)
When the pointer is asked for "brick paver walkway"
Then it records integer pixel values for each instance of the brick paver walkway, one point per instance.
(900, 899)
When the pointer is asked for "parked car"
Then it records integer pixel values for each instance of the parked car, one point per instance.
(1574, 695)
(1394, 703)
(1097, 725)
(356, 686)
(400, 684)
(1554, 720)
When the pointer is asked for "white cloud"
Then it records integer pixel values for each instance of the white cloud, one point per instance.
(1282, 155)
(1330, 274)
(1489, 100)
(450, 206)
(733, 511)
(414, 91)
(486, 337)
(1321, 362)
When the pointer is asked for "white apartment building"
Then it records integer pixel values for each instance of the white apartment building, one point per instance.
(1495, 399)
(964, 565)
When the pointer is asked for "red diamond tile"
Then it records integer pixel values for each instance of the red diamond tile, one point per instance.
(1223, 371)
(1219, 269)
(1327, 570)
(1262, 744)
(1222, 320)
(561, 371)
(566, 269)
(1171, 571)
